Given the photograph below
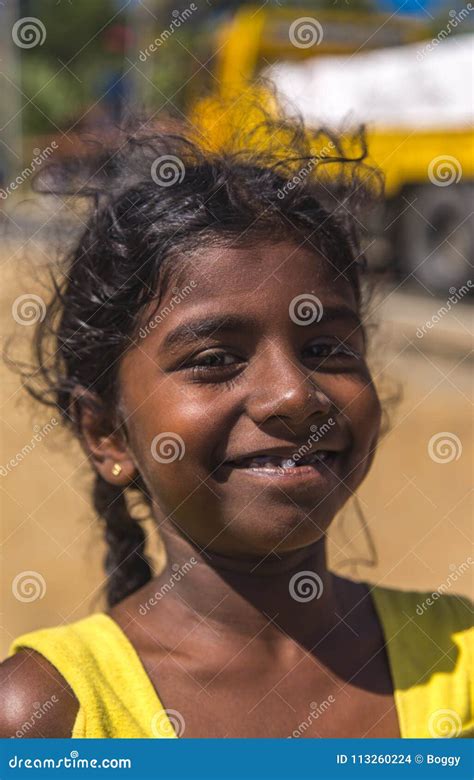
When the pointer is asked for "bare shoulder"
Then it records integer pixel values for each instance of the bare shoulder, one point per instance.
(36, 699)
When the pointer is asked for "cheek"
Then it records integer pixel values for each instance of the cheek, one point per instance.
(172, 435)
(357, 399)
(366, 412)
(363, 411)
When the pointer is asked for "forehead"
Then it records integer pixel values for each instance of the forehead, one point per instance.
(260, 272)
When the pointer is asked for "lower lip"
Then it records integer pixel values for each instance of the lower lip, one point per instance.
(311, 473)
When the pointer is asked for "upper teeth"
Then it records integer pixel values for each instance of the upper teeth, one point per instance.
(286, 463)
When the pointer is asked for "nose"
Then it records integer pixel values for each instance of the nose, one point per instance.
(283, 389)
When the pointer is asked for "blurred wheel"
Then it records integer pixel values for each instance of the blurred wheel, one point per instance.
(434, 236)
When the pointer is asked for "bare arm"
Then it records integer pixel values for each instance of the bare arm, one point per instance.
(36, 699)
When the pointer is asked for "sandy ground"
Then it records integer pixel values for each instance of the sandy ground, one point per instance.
(418, 509)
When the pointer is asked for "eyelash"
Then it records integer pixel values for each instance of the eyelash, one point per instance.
(334, 351)
(200, 371)
(339, 350)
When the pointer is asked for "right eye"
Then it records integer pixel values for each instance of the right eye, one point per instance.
(213, 365)
(214, 359)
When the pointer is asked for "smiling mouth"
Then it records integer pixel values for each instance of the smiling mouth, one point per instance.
(281, 466)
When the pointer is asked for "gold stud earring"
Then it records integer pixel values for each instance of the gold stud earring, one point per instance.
(117, 469)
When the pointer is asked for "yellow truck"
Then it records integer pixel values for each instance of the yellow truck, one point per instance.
(427, 230)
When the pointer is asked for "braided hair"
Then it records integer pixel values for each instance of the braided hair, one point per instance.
(139, 225)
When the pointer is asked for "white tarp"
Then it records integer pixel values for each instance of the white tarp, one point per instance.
(422, 85)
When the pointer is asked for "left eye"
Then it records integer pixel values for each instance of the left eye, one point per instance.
(332, 350)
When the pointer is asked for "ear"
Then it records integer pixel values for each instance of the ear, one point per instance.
(102, 439)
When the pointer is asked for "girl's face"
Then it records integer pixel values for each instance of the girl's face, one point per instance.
(237, 378)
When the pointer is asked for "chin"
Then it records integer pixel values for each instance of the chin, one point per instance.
(279, 531)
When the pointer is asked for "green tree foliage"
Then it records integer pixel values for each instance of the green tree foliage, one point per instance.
(60, 77)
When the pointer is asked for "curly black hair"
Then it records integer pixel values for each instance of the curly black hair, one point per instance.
(155, 194)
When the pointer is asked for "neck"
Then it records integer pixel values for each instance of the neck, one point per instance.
(294, 593)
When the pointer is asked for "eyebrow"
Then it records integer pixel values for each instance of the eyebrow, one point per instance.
(192, 331)
(344, 313)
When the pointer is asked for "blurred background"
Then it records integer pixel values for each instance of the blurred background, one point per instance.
(72, 70)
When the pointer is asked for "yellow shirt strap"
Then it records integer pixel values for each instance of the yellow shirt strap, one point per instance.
(116, 696)
(430, 642)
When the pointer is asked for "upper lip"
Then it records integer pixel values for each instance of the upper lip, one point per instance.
(285, 452)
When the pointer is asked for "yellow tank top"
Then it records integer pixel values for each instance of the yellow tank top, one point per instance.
(430, 651)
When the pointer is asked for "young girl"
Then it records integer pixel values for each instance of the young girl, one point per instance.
(209, 352)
